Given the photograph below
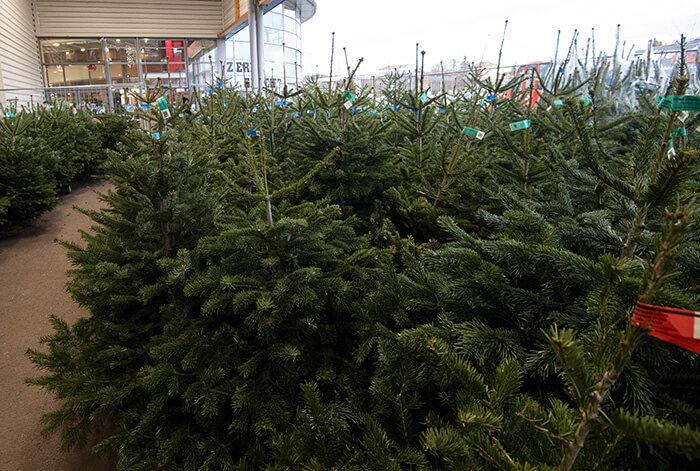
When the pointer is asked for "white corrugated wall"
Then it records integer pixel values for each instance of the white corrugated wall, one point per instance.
(19, 53)
(129, 18)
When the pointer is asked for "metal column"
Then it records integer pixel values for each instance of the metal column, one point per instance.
(260, 43)
(253, 30)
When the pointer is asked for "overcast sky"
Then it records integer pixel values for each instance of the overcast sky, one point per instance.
(385, 32)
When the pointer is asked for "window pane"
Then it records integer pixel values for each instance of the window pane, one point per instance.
(54, 75)
(124, 73)
(85, 74)
(59, 51)
(199, 49)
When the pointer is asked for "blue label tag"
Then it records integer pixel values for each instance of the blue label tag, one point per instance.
(372, 111)
(182, 115)
(269, 107)
(209, 90)
(352, 111)
(468, 95)
(329, 113)
(220, 84)
(415, 112)
(296, 115)
(491, 97)
(441, 110)
(240, 120)
(155, 135)
(609, 80)
(129, 108)
(311, 112)
(280, 103)
(394, 107)
(145, 106)
(252, 132)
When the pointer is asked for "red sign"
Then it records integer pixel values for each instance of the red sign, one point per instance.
(92, 68)
(676, 326)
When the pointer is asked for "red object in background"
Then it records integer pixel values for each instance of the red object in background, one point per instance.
(175, 57)
(676, 326)
(92, 67)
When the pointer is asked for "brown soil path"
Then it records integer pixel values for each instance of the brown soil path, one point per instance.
(32, 278)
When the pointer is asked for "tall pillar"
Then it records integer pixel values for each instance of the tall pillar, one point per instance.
(260, 26)
(253, 30)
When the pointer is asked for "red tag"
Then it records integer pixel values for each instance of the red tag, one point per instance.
(676, 326)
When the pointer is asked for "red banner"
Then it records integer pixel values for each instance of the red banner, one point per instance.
(676, 326)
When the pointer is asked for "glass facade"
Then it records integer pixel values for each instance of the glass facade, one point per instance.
(103, 71)
(282, 36)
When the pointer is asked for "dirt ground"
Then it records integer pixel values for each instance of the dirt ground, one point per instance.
(32, 278)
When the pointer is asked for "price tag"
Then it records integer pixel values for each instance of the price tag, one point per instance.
(11, 115)
(678, 132)
(347, 105)
(680, 103)
(253, 132)
(350, 96)
(587, 101)
(558, 102)
(683, 116)
(162, 103)
(473, 133)
(524, 124)
(423, 97)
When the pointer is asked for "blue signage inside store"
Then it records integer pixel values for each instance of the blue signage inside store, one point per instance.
(237, 67)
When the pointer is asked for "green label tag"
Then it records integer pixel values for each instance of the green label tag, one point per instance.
(162, 103)
(587, 101)
(680, 103)
(349, 96)
(423, 97)
(678, 132)
(558, 102)
(524, 124)
(473, 133)
(11, 115)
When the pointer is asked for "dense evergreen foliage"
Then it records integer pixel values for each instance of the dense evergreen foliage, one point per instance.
(285, 282)
(43, 151)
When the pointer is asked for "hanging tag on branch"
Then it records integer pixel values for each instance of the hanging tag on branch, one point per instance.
(587, 101)
(676, 326)
(350, 96)
(253, 132)
(155, 135)
(671, 153)
(683, 116)
(678, 132)
(129, 108)
(423, 97)
(347, 105)
(524, 124)
(281, 103)
(680, 103)
(163, 106)
(145, 106)
(473, 133)
(558, 102)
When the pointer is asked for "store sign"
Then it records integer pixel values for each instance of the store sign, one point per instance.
(237, 67)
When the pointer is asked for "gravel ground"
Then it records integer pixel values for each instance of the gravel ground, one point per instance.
(32, 278)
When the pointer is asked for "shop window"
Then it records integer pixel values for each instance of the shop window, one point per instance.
(61, 51)
(85, 74)
(124, 73)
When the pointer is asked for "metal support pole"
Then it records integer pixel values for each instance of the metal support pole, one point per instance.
(252, 27)
(260, 43)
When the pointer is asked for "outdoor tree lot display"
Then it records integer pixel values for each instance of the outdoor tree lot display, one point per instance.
(43, 150)
(319, 280)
